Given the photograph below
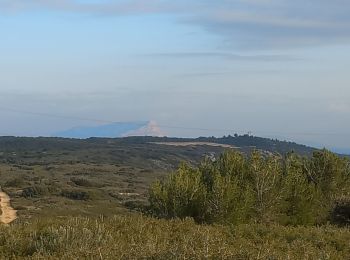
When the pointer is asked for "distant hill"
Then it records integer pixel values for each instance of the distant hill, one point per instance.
(138, 147)
(118, 129)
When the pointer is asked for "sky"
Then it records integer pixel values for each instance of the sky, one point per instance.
(276, 68)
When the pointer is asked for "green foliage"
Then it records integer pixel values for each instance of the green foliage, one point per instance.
(341, 212)
(262, 188)
(182, 195)
(329, 171)
(300, 199)
(81, 182)
(34, 191)
(265, 178)
(228, 202)
(84, 182)
(76, 194)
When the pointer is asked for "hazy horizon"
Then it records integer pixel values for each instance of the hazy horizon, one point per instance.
(275, 68)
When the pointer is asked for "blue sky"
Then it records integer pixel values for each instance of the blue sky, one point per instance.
(273, 67)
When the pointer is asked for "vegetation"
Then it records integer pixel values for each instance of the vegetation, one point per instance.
(34, 191)
(76, 195)
(38, 172)
(117, 150)
(236, 189)
(261, 206)
(138, 237)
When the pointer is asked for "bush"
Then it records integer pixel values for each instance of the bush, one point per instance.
(75, 195)
(16, 182)
(81, 182)
(85, 182)
(35, 191)
(341, 212)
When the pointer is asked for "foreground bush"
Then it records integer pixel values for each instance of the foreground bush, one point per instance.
(138, 237)
(261, 188)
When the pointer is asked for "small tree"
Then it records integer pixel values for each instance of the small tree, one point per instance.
(182, 195)
(299, 195)
(266, 175)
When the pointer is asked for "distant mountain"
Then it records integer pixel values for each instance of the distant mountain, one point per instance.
(119, 129)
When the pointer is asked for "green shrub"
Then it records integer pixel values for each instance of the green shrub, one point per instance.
(262, 188)
(182, 195)
(75, 194)
(82, 182)
(341, 212)
(34, 191)
(15, 182)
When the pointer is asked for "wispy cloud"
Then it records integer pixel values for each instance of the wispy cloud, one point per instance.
(257, 24)
(279, 23)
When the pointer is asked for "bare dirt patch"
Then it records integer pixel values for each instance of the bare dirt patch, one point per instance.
(183, 144)
(8, 213)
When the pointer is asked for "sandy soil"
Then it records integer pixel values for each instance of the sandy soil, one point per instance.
(8, 213)
(195, 144)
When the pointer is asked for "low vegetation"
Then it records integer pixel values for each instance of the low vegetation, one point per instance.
(76, 194)
(139, 237)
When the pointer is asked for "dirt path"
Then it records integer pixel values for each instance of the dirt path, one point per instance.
(8, 213)
(195, 144)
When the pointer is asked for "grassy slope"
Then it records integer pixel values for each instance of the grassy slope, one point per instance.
(110, 169)
(137, 237)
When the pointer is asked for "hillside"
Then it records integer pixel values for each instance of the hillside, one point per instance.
(43, 145)
(102, 175)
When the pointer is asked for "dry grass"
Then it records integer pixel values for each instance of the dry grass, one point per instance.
(138, 237)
